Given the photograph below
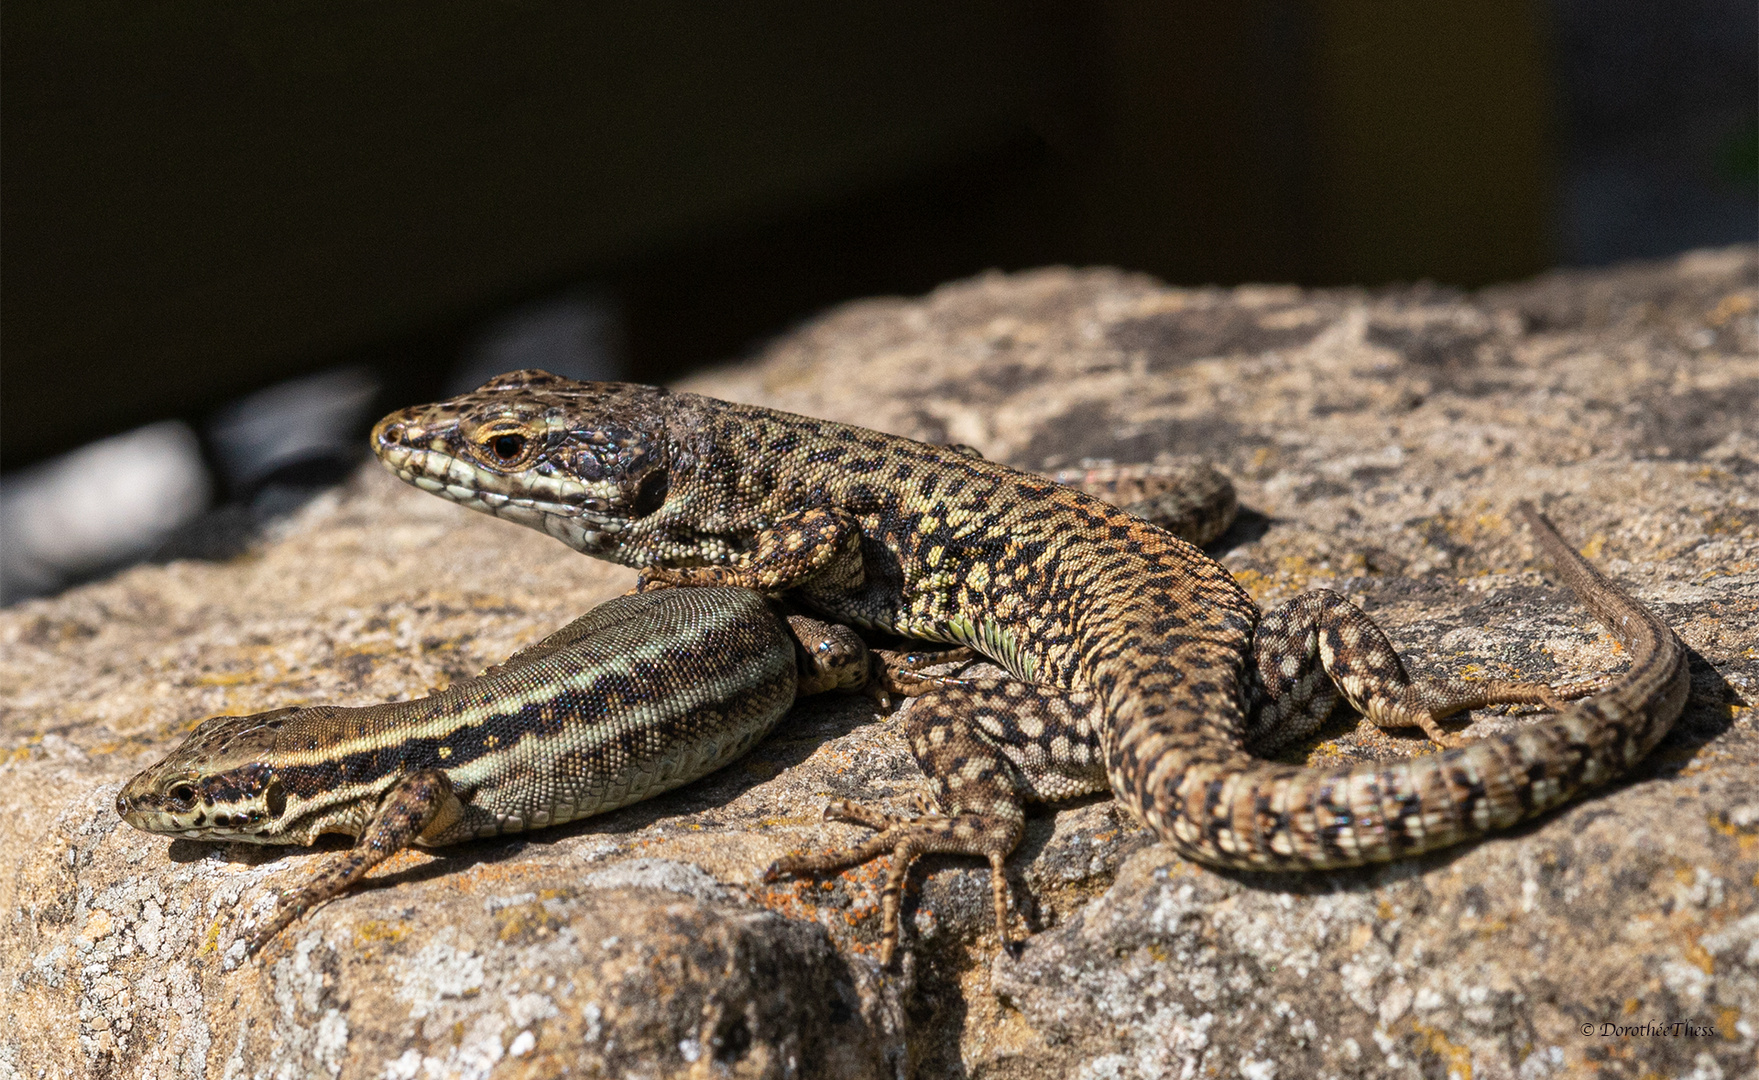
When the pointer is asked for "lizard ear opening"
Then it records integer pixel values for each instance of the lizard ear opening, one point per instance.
(275, 799)
(651, 493)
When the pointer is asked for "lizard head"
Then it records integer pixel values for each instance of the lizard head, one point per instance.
(583, 462)
(215, 786)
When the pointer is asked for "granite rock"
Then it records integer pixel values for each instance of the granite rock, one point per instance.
(1378, 440)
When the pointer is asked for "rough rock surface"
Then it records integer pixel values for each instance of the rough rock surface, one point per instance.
(1378, 440)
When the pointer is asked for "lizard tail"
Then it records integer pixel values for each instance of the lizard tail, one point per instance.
(1223, 807)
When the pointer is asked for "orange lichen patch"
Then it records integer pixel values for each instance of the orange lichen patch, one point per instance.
(1490, 522)
(1592, 549)
(210, 939)
(1698, 956)
(868, 874)
(1297, 571)
(376, 931)
(1746, 840)
(788, 820)
(1255, 583)
(795, 899)
(839, 759)
(523, 921)
(791, 902)
(1726, 1019)
(1729, 570)
(1458, 1058)
(1323, 753)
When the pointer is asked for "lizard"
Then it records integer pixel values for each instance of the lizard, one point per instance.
(1135, 662)
(643, 693)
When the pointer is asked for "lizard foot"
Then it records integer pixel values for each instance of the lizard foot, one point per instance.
(1425, 702)
(420, 804)
(899, 671)
(1319, 646)
(904, 839)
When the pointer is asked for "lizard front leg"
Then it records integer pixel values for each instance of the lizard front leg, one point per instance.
(813, 552)
(421, 805)
(987, 747)
(1319, 645)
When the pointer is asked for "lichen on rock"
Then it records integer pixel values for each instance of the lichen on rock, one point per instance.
(1378, 440)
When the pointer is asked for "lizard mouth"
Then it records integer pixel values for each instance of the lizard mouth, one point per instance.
(522, 497)
(200, 823)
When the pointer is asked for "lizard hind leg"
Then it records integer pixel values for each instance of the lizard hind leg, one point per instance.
(1319, 646)
(987, 747)
(1186, 497)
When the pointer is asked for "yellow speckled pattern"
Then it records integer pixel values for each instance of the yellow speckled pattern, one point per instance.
(1140, 662)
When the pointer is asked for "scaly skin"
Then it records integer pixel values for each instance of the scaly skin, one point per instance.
(638, 696)
(1138, 662)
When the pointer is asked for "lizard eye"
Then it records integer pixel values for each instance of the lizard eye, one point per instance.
(182, 795)
(504, 444)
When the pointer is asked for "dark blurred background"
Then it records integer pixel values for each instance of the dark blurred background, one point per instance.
(235, 233)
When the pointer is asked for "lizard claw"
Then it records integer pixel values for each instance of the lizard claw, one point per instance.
(904, 839)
